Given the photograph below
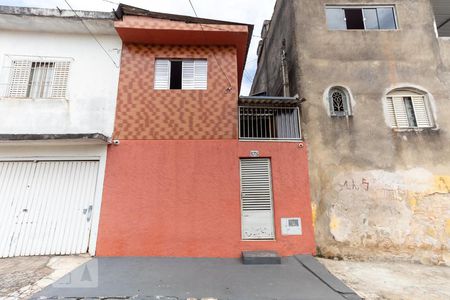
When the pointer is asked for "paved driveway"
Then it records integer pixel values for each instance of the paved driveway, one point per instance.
(300, 277)
(21, 277)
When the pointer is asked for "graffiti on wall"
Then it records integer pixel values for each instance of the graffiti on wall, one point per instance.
(354, 185)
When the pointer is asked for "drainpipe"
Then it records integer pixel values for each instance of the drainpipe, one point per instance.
(285, 76)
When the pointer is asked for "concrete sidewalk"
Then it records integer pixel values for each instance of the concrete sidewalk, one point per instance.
(21, 277)
(300, 277)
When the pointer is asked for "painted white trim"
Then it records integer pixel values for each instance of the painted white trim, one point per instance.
(48, 158)
(97, 206)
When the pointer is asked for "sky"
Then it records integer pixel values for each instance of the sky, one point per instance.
(243, 11)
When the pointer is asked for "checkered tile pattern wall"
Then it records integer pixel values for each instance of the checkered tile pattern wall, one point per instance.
(147, 114)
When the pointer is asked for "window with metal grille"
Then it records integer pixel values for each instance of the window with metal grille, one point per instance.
(339, 101)
(361, 18)
(38, 79)
(269, 123)
(408, 109)
(177, 74)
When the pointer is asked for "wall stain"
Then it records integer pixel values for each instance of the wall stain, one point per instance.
(447, 228)
(442, 184)
(400, 211)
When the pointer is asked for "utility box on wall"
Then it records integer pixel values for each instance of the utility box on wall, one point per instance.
(291, 226)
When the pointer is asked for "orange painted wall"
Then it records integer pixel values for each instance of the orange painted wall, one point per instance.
(182, 198)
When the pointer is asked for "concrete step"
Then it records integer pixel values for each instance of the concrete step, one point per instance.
(260, 258)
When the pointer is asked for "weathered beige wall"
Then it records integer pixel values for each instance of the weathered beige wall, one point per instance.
(401, 214)
(375, 192)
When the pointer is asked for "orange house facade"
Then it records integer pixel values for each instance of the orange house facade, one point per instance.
(196, 170)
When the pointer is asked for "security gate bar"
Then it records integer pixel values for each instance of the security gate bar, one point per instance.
(269, 123)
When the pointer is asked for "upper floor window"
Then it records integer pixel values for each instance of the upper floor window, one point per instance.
(38, 79)
(339, 101)
(409, 109)
(361, 18)
(181, 74)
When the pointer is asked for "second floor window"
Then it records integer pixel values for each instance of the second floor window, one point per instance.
(181, 74)
(361, 18)
(38, 79)
(408, 110)
(339, 101)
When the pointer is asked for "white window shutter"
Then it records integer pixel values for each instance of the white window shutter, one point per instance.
(60, 80)
(256, 184)
(19, 78)
(201, 74)
(188, 75)
(391, 113)
(162, 74)
(401, 116)
(422, 118)
(195, 74)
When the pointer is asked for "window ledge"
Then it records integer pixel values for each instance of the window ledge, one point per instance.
(260, 240)
(33, 99)
(416, 130)
(363, 30)
(341, 117)
(181, 90)
(271, 141)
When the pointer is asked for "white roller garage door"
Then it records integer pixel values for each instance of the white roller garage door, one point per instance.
(46, 207)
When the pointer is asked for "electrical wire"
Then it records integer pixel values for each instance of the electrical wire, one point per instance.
(92, 34)
(112, 2)
(214, 55)
(205, 25)
(222, 29)
(248, 77)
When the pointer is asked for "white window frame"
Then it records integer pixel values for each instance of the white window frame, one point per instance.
(15, 78)
(393, 6)
(397, 116)
(194, 73)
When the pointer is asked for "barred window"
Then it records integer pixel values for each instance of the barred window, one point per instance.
(339, 101)
(38, 79)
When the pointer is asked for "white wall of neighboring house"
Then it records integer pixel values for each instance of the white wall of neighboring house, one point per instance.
(93, 77)
(55, 186)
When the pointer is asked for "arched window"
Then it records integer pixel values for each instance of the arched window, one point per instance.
(339, 100)
(408, 108)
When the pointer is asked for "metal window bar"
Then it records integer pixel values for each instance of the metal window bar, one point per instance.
(269, 123)
(35, 79)
(41, 80)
